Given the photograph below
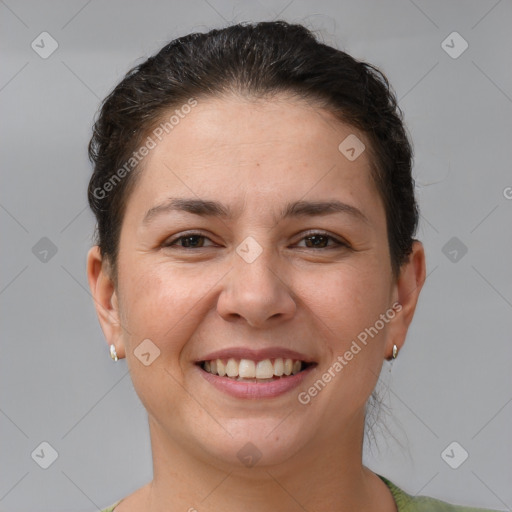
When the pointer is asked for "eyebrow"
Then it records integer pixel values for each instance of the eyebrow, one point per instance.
(206, 208)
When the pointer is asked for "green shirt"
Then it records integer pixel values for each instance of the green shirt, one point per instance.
(404, 502)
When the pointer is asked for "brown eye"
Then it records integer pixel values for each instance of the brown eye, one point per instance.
(321, 241)
(189, 241)
(192, 241)
(317, 241)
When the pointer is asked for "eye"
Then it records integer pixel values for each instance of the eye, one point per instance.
(187, 241)
(320, 240)
(313, 240)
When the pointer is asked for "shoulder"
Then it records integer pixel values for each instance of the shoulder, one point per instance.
(112, 507)
(407, 503)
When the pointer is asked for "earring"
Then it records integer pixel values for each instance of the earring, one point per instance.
(113, 353)
(394, 354)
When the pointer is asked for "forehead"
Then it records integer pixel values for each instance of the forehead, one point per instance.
(260, 148)
(258, 128)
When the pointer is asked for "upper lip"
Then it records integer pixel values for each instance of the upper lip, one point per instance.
(256, 355)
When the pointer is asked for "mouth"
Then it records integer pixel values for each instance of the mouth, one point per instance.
(254, 371)
(253, 374)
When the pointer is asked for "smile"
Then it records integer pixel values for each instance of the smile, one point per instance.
(254, 378)
(254, 371)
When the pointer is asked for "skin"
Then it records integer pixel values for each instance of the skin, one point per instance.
(255, 156)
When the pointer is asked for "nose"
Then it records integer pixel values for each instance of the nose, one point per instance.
(257, 292)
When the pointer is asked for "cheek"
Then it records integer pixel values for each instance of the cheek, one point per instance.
(165, 303)
(347, 308)
(348, 298)
(348, 305)
(158, 306)
(154, 304)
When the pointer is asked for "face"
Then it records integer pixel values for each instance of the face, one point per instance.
(250, 239)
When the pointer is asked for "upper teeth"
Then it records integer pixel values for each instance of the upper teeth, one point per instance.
(248, 369)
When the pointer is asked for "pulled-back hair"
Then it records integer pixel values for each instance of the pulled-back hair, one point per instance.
(256, 60)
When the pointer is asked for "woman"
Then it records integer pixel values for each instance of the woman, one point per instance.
(255, 265)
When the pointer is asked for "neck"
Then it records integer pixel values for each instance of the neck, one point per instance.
(321, 476)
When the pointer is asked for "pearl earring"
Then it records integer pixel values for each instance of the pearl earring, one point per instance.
(113, 353)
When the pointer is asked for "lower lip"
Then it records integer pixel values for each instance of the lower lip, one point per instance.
(255, 390)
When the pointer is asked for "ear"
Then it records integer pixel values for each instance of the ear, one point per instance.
(105, 299)
(406, 293)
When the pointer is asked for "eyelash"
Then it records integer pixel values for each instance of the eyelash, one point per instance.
(172, 243)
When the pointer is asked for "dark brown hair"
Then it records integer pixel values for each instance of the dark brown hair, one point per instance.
(256, 60)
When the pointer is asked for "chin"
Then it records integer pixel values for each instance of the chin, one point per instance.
(258, 443)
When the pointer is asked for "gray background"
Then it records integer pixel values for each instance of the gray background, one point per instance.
(451, 382)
